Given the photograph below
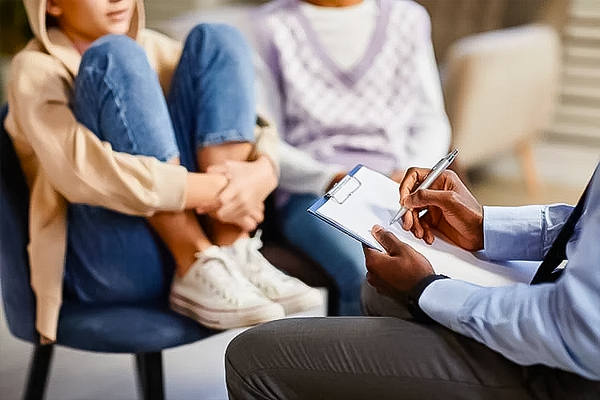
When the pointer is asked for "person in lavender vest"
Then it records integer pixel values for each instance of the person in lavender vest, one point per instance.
(357, 83)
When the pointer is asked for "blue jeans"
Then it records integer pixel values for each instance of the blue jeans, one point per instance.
(117, 258)
(340, 255)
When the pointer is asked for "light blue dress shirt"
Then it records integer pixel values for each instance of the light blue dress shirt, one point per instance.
(554, 324)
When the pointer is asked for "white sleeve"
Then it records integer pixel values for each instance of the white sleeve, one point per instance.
(300, 173)
(430, 133)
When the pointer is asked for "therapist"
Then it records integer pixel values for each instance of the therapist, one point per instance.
(448, 338)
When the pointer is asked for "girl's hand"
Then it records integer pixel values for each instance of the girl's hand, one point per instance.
(242, 200)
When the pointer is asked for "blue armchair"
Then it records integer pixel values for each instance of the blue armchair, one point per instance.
(142, 330)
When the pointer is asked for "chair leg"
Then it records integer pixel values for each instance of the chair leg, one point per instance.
(333, 302)
(150, 375)
(38, 372)
(527, 159)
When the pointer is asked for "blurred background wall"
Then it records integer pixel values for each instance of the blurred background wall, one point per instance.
(578, 113)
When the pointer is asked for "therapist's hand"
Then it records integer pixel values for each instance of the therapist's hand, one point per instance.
(395, 272)
(452, 209)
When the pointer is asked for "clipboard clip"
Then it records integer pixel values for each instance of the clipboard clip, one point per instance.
(342, 190)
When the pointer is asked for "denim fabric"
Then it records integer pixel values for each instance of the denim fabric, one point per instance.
(118, 97)
(212, 91)
(340, 255)
(116, 258)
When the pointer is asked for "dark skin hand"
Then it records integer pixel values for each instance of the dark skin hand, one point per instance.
(395, 272)
(451, 209)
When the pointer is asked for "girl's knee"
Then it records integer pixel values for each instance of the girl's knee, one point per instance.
(119, 50)
(222, 41)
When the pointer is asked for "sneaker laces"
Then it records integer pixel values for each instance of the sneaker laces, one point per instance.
(256, 262)
(260, 271)
(253, 257)
(223, 278)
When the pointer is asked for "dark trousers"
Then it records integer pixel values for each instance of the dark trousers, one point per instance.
(382, 358)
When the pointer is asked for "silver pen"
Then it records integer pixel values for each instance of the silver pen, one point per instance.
(431, 177)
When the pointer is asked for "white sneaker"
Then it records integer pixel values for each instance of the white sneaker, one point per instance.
(217, 295)
(293, 294)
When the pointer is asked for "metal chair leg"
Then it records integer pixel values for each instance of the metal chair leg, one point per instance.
(150, 375)
(38, 372)
(333, 301)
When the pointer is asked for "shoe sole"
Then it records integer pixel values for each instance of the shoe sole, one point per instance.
(223, 319)
(304, 301)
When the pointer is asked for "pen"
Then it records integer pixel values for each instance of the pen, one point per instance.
(431, 177)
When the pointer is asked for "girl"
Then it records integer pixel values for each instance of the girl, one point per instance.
(101, 147)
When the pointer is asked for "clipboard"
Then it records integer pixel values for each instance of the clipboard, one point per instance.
(361, 199)
(365, 197)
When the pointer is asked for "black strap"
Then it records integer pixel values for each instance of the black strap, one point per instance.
(415, 293)
(547, 271)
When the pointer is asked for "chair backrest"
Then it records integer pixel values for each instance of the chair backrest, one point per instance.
(500, 89)
(17, 296)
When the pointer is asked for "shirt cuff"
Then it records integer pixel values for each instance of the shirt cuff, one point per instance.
(443, 299)
(512, 233)
(170, 186)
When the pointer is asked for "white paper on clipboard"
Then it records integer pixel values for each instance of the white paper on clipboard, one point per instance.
(366, 197)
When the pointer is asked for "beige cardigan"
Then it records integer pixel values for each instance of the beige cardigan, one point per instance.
(65, 162)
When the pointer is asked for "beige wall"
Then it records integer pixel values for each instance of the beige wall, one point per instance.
(161, 10)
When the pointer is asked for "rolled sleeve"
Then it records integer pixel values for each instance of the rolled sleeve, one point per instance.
(512, 233)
